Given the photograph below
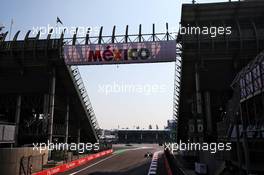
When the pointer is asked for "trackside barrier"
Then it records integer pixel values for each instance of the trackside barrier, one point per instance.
(73, 164)
(167, 166)
(172, 164)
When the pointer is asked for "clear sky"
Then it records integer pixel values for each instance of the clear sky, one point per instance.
(125, 109)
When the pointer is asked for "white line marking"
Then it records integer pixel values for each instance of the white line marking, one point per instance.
(105, 159)
(93, 164)
(154, 163)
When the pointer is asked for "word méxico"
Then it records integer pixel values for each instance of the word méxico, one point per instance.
(212, 147)
(109, 54)
(80, 147)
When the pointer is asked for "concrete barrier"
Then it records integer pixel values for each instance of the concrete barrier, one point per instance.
(10, 159)
(167, 166)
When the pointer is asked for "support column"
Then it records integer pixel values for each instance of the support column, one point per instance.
(198, 93)
(198, 97)
(79, 135)
(238, 145)
(208, 111)
(67, 121)
(17, 118)
(51, 106)
(46, 113)
(244, 142)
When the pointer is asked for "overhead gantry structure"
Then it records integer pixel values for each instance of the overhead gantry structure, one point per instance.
(49, 98)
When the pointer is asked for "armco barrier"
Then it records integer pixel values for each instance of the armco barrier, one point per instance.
(73, 164)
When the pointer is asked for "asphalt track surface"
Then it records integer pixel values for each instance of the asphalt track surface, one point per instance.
(126, 160)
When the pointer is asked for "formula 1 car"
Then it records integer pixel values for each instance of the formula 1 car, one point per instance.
(148, 154)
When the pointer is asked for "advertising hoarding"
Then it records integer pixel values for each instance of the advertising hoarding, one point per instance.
(120, 53)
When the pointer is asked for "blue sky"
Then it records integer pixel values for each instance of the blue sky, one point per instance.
(123, 109)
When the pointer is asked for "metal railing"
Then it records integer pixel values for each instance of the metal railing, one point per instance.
(84, 97)
(177, 83)
(125, 38)
(31, 164)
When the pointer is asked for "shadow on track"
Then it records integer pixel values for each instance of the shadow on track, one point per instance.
(140, 169)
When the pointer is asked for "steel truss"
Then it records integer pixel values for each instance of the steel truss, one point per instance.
(126, 38)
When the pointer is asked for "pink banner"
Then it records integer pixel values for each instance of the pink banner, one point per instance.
(120, 53)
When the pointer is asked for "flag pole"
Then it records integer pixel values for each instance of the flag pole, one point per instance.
(10, 30)
(56, 26)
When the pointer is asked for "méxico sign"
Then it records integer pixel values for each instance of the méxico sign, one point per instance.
(120, 53)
